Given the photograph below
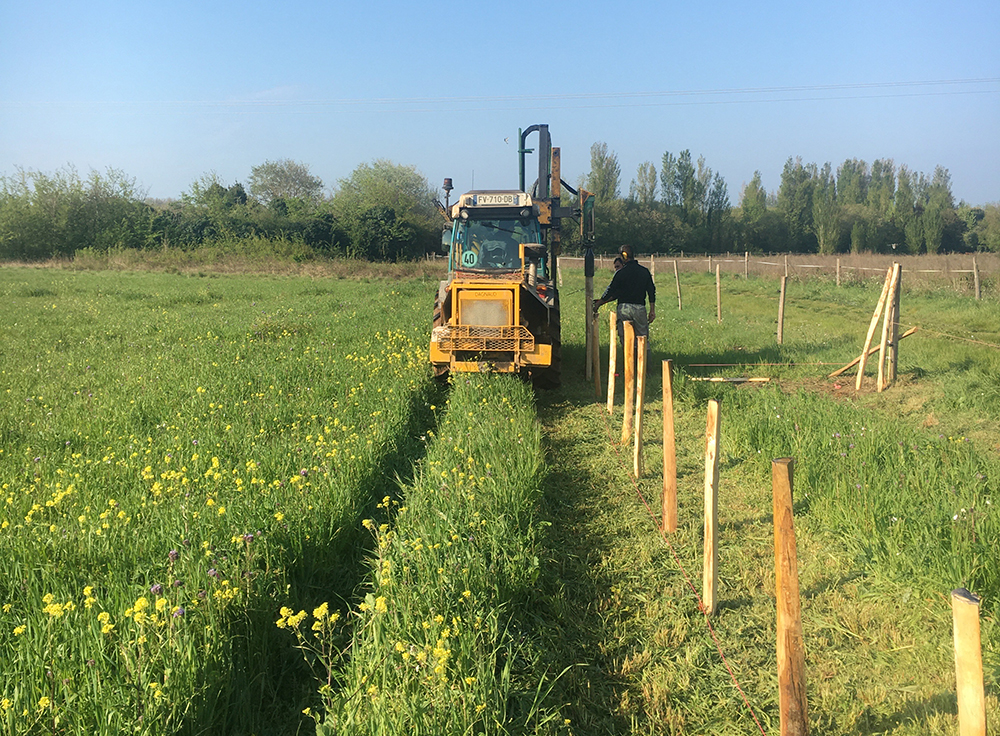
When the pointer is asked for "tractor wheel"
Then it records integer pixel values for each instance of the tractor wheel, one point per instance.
(440, 371)
(551, 377)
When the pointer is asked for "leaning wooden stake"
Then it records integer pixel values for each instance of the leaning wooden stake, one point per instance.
(886, 329)
(612, 361)
(677, 280)
(871, 351)
(892, 358)
(712, 427)
(595, 347)
(791, 652)
(629, 397)
(640, 402)
(871, 329)
(669, 502)
(968, 664)
(781, 311)
(718, 296)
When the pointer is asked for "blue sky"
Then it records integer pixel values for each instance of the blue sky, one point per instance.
(169, 92)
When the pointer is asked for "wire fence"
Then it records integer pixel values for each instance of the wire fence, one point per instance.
(957, 271)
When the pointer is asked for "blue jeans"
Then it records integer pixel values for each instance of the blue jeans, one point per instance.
(636, 314)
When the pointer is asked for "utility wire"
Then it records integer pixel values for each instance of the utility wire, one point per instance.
(744, 95)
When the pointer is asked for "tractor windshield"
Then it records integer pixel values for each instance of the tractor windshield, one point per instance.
(492, 244)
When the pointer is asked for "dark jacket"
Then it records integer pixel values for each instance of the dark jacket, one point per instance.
(631, 284)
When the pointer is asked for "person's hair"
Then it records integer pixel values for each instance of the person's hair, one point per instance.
(619, 261)
(627, 252)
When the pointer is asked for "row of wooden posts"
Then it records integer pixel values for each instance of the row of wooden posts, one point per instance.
(790, 646)
(977, 284)
(886, 309)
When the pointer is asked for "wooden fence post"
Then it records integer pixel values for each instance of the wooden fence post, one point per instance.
(781, 311)
(677, 280)
(975, 279)
(709, 570)
(791, 651)
(838, 272)
(892, 362)
(595, 346)
(871, 329)
(710, 264)
(718, 296)
(612, 361)
(786, 265)
(628, 401)
(886, 330)
(746, 264)
(669, 501)
(968, 663)
(640, 402)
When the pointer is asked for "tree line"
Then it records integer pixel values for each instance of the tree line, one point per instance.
(877, 208)
(382, 211)
(386, 211)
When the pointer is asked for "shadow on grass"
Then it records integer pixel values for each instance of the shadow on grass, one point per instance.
(566, 616)
(270, 683)
(914, 713)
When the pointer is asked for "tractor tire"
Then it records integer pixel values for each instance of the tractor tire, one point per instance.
(550, 378)
(440, 371)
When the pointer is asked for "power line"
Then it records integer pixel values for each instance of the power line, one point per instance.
(735, 95)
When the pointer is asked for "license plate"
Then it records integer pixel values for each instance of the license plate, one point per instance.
(502, 200)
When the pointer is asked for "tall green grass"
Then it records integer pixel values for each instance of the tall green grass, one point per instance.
(180, 457)
(435, 646)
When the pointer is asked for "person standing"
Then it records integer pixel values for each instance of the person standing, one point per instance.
(631, 285)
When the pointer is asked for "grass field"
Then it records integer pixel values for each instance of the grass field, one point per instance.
(239, 504)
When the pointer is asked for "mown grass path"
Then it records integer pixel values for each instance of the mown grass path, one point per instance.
(614, 606)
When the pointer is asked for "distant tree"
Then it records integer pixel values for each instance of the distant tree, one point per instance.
(668, 180)
(852, 182)
(882, 187)
(689, 187)
(388, 212)
(860, 236)
(717, 210)
(383, 183)
(284, 179)
(990, 228)
(795, 203)
(826, 213)
(938, 210)
(604, 179)
(753, 200)
(643, 188)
